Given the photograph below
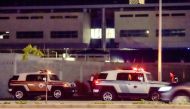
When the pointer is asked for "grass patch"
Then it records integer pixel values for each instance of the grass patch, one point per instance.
(6, 102)
(21, 102)
(104, 102)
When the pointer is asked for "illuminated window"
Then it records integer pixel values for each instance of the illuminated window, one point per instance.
(110, 33)
(4, 35)
(96, 33)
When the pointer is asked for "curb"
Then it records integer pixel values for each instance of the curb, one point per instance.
(94, 106)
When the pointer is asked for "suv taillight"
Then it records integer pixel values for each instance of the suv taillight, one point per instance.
(96, 81)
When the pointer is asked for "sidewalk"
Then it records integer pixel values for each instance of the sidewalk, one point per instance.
(89, 104)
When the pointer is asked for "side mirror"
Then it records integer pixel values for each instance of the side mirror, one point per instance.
(44, 79)
(176, 79)
(140, 79)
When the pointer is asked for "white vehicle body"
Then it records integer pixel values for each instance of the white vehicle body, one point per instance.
(127, 83)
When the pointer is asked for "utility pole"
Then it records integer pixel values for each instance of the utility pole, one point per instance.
(160, 43)
(103, 29)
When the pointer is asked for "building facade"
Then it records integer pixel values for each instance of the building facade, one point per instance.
(80, 26)
(139, 29)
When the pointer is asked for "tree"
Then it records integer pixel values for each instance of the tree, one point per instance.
(29, 49)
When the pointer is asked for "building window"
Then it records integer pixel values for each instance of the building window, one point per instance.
(29, 35)
(134, 33)
(71, 17)
(172, 32)
(4, 18)
(56, 17)
(164, 15)
(36, 17)
(64, 34)
(127, 15)
(35, 11)
(96, 33)
(4, 35)
(110, 33)
(8, 11)
(178, 14)
(22, 17)
(67, 10)
(141, 15)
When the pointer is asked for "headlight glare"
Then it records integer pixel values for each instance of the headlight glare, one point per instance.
(166, 88)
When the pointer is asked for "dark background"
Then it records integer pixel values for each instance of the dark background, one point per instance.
(75, 2)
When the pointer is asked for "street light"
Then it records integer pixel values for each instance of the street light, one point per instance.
(160, 43)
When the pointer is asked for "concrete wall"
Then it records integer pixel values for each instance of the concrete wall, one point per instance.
(72, 71)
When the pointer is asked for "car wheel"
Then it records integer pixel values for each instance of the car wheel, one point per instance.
(154, 96)
(19, 94)
(108, 95)
(57, 94)
(181, 98)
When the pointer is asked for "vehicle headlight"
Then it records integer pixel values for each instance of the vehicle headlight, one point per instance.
(164, 89)
(67, 85)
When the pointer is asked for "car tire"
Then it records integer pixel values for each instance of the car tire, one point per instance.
(19, 94)
(57, 94)
(108, 95)
(154, 96)
(180, 98)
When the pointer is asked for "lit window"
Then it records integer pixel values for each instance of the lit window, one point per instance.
(4, 34)
(96, 33)
(110, 33)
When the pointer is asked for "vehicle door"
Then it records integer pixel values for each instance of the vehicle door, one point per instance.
(137, 84)
(122, 83)
(36, 82)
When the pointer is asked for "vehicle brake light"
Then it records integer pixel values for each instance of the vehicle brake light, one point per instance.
(96, 81)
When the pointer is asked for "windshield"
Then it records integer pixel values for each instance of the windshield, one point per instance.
(149, 77)
(54, 77)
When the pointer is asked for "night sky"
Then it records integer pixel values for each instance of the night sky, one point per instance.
(74, 2)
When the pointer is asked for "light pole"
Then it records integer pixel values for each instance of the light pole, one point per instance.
(46, 88)
(55, 53)
(160, 43)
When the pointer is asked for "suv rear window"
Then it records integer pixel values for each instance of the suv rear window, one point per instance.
(102, 76)
(35, 77)
(130, 76)
(54, 77)
(15, 77)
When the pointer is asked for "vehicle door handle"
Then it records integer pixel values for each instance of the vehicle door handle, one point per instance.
(135, 86)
